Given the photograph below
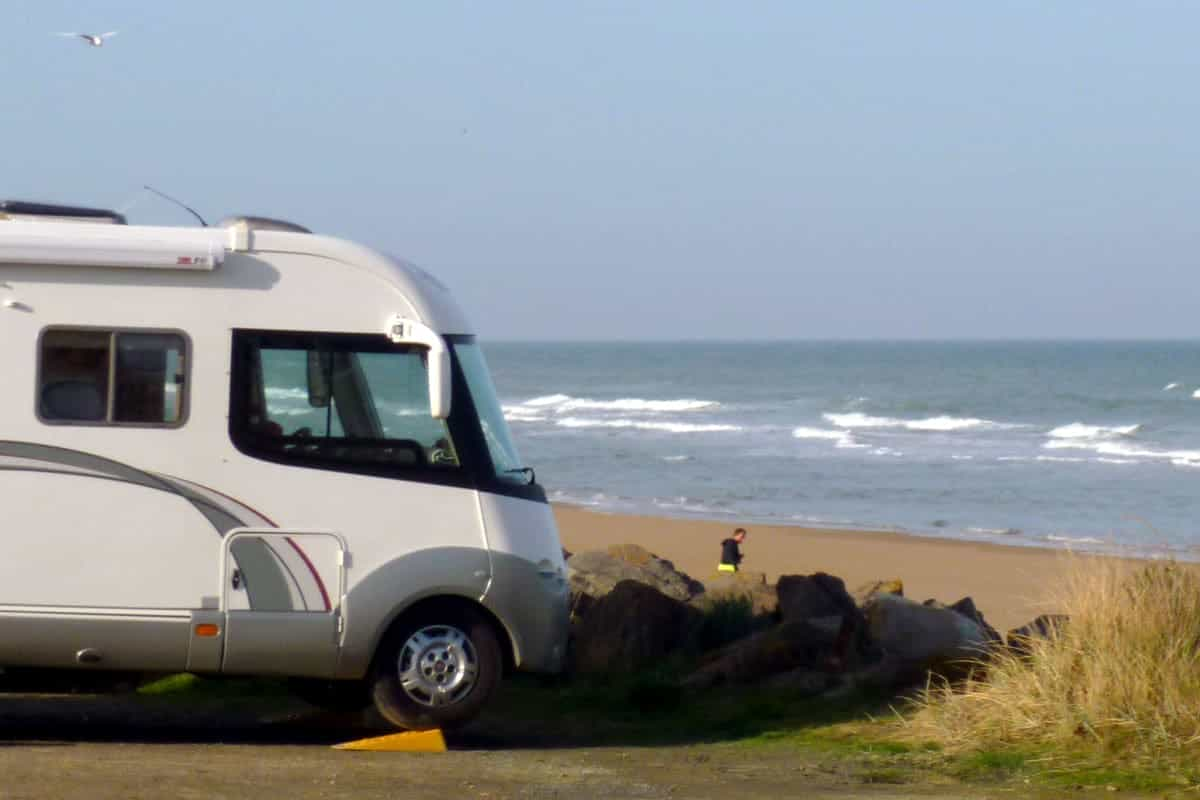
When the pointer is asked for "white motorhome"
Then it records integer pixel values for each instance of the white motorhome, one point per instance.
(251, 450)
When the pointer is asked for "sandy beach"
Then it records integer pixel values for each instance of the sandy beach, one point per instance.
(1010, 585)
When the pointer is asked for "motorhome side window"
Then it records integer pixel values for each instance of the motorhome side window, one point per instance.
(102, 377)
(336, 400)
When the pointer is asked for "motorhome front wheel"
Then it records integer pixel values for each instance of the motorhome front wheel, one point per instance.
(437, 670)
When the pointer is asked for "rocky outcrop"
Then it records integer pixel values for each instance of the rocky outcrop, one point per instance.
(1047, 626)
(816, 595)
(868, 591)
(800, 644)
(967, 608)
(751, 586)
(595, 573)
(632, 627)
(920, 638)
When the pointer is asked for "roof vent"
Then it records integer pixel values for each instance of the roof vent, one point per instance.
(263, 224)
(47, 212)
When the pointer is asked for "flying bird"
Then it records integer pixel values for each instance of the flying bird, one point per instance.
(95, 40)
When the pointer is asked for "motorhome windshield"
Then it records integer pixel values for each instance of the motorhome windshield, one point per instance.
(491, 418)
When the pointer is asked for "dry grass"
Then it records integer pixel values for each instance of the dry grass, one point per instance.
(1121, 680)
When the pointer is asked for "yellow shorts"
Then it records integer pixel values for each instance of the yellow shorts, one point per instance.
(726, 568)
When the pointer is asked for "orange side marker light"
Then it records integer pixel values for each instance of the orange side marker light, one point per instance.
(207, 630)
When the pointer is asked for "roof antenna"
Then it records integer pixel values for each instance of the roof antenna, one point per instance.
(188, 209)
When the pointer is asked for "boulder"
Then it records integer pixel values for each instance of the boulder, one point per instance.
(1047, 626)
(917, 639)
(967, 608)
(752, 586)
(595, 573)
(867, 592)
(816, 595)
(789, 646)
(631, 627)
(803, 681)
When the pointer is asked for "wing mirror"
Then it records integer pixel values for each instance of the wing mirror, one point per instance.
(406, 331)
(319, 369)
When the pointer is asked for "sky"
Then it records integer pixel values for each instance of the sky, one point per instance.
(659, 170)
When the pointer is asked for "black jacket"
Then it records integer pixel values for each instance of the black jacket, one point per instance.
(730, 553)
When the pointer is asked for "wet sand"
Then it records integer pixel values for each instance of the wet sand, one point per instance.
(1010, 585)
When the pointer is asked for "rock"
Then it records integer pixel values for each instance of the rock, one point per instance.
(786, 647)
(967, 608)
(631, 627)
(595, 573)
(917, 639)
(803, 681)
(751, 585)
(865, 593)
(816, 595)
(1047, 626)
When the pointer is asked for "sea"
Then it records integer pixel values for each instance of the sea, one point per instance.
(1093, 446)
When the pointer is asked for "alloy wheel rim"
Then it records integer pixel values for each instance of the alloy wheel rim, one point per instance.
(438, 666)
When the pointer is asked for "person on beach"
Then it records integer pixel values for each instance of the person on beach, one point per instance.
(731, 553)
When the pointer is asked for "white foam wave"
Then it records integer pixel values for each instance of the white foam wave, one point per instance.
(996, 531)
(546, 400)
(688, 505)
(562, 404)
(1053, 537)
(957, 457)
(279, 393)
(1061, 459)
(1170, 386)
(646, 425)
(522, 414)
(594, 501)
(1180, 458)
(1077, 430)
(936, 424)
(1196, 394)
(676, 458)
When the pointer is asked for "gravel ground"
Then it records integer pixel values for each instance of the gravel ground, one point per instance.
(133, 747)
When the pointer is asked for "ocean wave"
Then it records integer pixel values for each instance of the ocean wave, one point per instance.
(547, 400)
(935, 424)
(562, 403)
(676, 458)
(688, 505)
(1077, 430)
(1196, 394)
(522, 414)
(594, 501)
(1061, 459)
(1170, 386)
(1054, 537)
(1180, 458)
(279, 393)
(996, 531)
(646, 425)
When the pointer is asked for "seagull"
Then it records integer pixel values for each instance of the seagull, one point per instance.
(93, 39)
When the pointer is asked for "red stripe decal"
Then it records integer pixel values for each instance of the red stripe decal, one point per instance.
(313, 570)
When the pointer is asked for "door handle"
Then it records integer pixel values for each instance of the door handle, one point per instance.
(237, 579)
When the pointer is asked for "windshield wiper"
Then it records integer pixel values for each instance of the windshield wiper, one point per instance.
(523, 471)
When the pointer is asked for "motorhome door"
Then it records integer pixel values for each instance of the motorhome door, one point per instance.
(282, 600)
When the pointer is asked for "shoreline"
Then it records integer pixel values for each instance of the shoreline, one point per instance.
(1010, 583)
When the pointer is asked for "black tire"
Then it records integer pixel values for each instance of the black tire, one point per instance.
(332, 695)
(451, 660)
